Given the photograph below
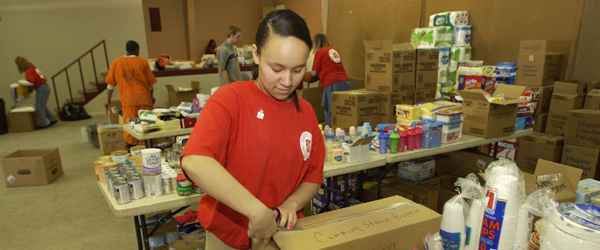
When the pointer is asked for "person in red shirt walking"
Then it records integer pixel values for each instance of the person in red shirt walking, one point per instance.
(36, 80)
(328, 68)
(257, 149)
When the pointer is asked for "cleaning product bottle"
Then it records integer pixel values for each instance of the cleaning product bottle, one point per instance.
(367, 130)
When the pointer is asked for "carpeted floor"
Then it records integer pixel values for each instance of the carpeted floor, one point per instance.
(71, 212)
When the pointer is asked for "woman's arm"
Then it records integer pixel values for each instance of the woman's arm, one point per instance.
(212, 177)
(296, 202)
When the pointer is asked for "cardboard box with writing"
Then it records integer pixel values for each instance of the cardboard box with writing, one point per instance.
(484, 119)
(355, 107)
(538, 146)
(390, 223)
(31, 167)
(23, 121)
(389, 67)
(110, 140)
(586, 159)
(537, 67)
(543, 106)
(424, 95)
(112, 113)
(539, 123)
(592, 100)
(563, 185)
(389, 100)
(314, 97)
(178, 95)
(421, 194)
(427, 68)
(566, 97)
(583, 128)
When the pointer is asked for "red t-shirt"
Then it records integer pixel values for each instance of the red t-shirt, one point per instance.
(35, 76)
(265, 144)
(329, 65)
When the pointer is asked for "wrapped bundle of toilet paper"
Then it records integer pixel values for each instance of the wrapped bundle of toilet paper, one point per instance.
(454, 18)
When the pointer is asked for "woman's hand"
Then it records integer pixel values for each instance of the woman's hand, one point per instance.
(262, 226)
(288, 216)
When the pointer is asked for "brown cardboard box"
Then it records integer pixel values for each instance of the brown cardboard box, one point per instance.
(389, 101)
(583, 128)
(424, 95)
(539, 123)
(427, 68)
(543, 105)
(538, 146)
(592, 100)
(110, 140)
(389, 67)
(377, 223)
(583, 158)
(421, 194)
(112, 113)
(314, 97)
(445, 186)
(370, 192)
(566, 97)
(23, 121)
(172, 124)
(590, 86)
(484, 119)
(462, 163)
(32, 167)
(564, 187)
(537, 67)
(177, 96)
(355, 107)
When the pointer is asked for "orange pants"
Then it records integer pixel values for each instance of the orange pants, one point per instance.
(132, 112)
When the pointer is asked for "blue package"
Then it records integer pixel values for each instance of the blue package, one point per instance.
(432, 135)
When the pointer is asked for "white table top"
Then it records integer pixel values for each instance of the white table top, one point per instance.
(157, 134)
(148, 205)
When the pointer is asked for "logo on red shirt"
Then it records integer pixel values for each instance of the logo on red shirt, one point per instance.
(334, 55)
(306, 144)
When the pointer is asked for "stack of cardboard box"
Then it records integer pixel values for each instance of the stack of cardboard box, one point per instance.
(582, 138)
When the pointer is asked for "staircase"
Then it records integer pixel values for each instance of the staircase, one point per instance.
(78, 92)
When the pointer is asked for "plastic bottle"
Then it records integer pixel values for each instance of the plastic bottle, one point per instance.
(419, 135)
(410, 145)
(367, 130)
(401, 141)
(173, 179)
(383, 142)
(359, 130)
(394, 143)
(342, 139)
(328, 145)
(351, 138)
(166, 183)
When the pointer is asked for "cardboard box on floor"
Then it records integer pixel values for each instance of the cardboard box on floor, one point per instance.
(424, 95)
(370, 192)
(112, 113)
(537, 67)
(171, 225)
(444, 184)
(23, 121)
(389, 100)
(590, 86)
(423, 195)
(111, 140)
(463, 162)
(355, 107)
(566, 97)
(389, 67)
(539, 123)
(176, 95)
(31, 167)
(543, 106)
(583, 128)
(538, 146)
(592, 100)
(314, 97)
(586, 159)
(484, 119)
(390, 223)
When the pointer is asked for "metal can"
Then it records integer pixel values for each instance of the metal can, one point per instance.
(105, 166)
(136, 190)
(119, 156)
(121, 189)
(127, 174)
(152, 185)
(109, 182)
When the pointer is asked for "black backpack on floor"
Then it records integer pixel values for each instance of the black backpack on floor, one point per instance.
(73, 112)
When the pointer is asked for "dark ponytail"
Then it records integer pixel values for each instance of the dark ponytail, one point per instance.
(283, 23)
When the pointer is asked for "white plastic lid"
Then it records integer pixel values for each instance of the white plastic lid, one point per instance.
(173, 175)
(165, 175)
(580, 220)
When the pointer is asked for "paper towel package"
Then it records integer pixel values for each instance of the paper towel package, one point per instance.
(462, 36)
(433, 37)
(537, 67)
(455, 18)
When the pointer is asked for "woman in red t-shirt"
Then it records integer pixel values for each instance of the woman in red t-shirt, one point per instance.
(328, 68)
(256, 148)
(36, 80)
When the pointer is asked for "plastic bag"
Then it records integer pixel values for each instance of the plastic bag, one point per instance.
(540, 203)
(472, 190)
(452, 229)
(433, 242)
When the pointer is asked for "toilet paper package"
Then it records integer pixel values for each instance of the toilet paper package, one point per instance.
(454, 18)
(433, 37)
(462, 36)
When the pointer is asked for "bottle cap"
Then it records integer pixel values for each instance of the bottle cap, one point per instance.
(329, 136)
(181, 177)
(320, 126)
(173, 175)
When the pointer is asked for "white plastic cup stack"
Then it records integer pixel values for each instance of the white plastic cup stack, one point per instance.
(453, 222)
(508, 189)
(474, 222)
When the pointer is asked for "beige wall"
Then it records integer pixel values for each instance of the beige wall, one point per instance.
(587, 60)
(53, 33)
(172, 39)
(310, 10)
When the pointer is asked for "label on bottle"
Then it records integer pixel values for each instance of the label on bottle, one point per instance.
(451, 241)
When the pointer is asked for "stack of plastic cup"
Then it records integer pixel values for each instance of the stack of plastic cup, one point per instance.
(452, 228)
(508, 190)
(474, 224)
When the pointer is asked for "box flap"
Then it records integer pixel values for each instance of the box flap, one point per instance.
(510, 91)
(473, 94)
(594, 92)
(571, 176)
(362, 141)
(195, 85)
(403, 46)
(170, 88)
(569, 88)
(532, 47)
(586, 111)
(377, 45)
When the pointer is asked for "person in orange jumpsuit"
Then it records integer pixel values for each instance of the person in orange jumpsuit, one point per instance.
(135, 79)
